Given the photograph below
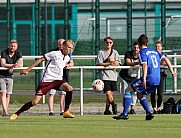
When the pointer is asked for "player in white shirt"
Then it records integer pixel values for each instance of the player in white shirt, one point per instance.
(51, 78)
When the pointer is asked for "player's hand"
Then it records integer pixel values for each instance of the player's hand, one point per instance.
(144, 83)
(174, 73)
(24, 72)
(67, 66)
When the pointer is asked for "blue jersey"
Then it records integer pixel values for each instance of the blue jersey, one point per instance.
(152, 58)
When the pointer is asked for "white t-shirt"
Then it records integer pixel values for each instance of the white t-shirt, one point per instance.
(107, 74)
(54, 67)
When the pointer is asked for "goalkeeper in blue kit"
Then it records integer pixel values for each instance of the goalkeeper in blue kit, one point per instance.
(148, 82)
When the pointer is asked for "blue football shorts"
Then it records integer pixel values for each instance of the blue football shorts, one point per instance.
(138, 87)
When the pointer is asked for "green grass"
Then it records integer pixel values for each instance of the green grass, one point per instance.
(91, 126)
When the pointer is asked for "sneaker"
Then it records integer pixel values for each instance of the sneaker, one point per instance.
(67, 114)
(154, 111)
(121, 116)
(132, 112)
(159, 111)
(61, 113)
(51, 114)
(150, 116)
(13, 117)
(114, 109)
(107, 112)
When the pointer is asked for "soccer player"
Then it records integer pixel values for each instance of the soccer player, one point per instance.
(150, 62)
(65, 78)
(51, 78)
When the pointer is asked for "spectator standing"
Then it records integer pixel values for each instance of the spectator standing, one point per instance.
(108, 57)
(10, 58)
(157, 105)
(128, 75)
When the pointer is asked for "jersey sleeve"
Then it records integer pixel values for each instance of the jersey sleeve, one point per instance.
(49, 55)
(142, 57)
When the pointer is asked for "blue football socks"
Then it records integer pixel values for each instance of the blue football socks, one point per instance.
(144, 103)
(126, 102)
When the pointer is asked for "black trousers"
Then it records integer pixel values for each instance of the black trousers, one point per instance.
(159, 94)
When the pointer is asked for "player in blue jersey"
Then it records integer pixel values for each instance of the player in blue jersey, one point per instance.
(150, 62)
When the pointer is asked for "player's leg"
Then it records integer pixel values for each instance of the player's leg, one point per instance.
(26, 106)
(126, 104)
(69, 90)
(144, 102)
(145, 105)
(51, 94)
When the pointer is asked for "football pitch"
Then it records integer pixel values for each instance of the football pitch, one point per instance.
(91, 126)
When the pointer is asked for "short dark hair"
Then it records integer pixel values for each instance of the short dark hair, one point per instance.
(105, 39)
(135, 43)
(143, 40)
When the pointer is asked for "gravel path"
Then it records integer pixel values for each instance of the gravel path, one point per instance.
(88, 108)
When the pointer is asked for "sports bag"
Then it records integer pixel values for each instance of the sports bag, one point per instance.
(178, 107)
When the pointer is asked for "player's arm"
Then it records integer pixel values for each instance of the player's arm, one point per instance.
(144, 70)
(169, 66)
(70, 64)
(26, 71)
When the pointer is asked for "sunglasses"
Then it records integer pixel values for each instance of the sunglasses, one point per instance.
(108, 42)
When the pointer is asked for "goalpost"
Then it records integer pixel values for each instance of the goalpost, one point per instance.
(171, 20)
(117, 28)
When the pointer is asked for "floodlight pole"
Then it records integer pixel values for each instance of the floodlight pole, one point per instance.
(66, 20)
(129, 25)
(8, 22)
(163, 23)
(97, 31)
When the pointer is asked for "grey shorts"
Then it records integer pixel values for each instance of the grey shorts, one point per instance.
(6, 85)
(53, 91)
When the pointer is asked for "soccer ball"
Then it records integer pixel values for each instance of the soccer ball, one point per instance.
(98, 85)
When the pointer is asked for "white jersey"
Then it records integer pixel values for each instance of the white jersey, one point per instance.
(54, 68)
